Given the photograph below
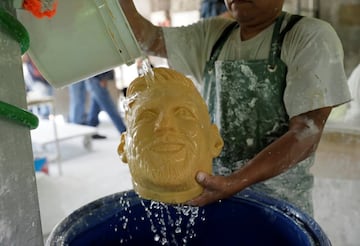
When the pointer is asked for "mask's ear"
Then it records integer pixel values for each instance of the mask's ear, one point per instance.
(217, 141)
(121, 148)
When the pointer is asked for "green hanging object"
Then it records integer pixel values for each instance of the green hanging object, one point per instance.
(18, 115)
(10, 25)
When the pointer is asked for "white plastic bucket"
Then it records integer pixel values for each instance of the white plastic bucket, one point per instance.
(84, 38)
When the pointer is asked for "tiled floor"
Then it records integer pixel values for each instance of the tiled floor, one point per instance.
(91, 175)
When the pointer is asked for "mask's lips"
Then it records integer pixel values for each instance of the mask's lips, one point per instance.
(167, 147)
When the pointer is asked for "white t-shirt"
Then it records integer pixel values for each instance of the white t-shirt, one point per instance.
(311, 50)
(353, 112)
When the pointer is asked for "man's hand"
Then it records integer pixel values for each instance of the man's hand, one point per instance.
(215, 189)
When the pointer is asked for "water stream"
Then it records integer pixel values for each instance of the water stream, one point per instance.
(148, 72)
(169, 224)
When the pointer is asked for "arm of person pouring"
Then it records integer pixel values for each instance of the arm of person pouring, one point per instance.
(300, 141)
(149, 36)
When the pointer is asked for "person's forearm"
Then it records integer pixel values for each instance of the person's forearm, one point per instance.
(296, 145)
(149, 36)
(273, 160)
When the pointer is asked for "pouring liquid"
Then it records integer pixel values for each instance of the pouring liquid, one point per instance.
(148, 71)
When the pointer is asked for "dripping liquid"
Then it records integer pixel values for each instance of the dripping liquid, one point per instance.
(148, 71)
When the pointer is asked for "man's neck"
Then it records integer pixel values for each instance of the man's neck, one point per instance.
(250, 30)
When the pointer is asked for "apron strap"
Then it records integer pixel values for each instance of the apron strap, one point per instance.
(293, 20)
(215, 52)
(275, 46)
(278, 38)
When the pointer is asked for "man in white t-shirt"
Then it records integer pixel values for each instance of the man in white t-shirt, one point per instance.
(270, 80)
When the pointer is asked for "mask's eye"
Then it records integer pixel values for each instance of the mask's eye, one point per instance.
(146, 115)
(185, 113)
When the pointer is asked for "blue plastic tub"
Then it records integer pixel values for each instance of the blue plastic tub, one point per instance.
(249, 219)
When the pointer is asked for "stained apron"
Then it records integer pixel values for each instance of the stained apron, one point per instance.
(245, 100)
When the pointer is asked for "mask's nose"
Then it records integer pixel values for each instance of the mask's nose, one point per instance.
(165, 121)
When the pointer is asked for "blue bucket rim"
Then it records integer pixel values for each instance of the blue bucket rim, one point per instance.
(99, 213)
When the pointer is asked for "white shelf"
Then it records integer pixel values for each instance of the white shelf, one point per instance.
(44, 133)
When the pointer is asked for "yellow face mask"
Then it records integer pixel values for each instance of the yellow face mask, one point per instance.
(169, 137)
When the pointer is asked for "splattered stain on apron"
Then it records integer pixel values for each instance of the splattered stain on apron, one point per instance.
(245, 100)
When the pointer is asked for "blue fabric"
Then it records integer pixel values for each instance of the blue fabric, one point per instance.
(35, 73)
(109, 75)
(210, 8)
(100, 99)
(77, 93)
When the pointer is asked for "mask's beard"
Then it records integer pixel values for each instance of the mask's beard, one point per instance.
(165, 174)
(157, 164)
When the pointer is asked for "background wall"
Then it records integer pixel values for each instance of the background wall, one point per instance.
(344, 15)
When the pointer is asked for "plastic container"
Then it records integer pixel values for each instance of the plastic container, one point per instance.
(39, 163)
(84, 38)
(250, 219)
